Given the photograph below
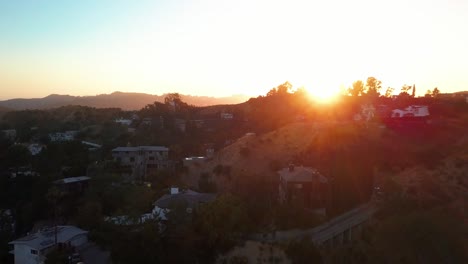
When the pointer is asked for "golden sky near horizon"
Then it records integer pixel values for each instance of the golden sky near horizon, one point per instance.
(221, 48)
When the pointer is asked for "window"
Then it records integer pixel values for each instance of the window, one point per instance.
(132, 159)
(33, 252)
(151, 158)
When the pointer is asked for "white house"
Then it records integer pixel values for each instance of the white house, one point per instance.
(125, 122)
(32, 249)
(411, 111)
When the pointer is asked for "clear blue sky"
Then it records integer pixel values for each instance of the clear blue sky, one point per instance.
(204, 47)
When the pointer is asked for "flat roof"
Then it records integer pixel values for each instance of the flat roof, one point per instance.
(146, 148)
(46, 238)
(72, 180)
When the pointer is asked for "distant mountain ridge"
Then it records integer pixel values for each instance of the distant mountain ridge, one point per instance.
(126, 101)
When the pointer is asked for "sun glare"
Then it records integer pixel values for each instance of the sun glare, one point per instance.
(323, 95)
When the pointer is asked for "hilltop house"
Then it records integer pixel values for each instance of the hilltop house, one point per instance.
(32, 249)
(142, 159)
(411, 111)
(303, 186)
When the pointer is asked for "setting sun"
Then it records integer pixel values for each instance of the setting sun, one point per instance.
(323, 95)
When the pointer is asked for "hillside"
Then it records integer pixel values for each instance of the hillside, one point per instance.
(349, 153)
(126, 101)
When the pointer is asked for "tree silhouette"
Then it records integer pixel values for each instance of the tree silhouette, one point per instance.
(373, 86)
(435, 92)
(357, 89)
(389, 92)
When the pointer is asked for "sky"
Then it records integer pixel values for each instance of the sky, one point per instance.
(221, 48)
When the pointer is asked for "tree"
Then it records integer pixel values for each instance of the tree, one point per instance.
(142, 245)
(404, 91)
(435, 92)
(428, 94)
(373, 86)
(420, 237)
(281, 89)
(357, 89)
(303, 251)
(174, 102)
(222, 222)
(414, 91)
(205, 184)
(18, 155)
(389, 92)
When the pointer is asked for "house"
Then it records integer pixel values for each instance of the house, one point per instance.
(33, 248)
(73, 184)
(303, 186)
(180, 125)
(91, 146)
(147, 121)
(189, 199)
(35, 148)
(226, 116)
(63, 136)
(125, 122)
(142, 159)
(411, 111)
(22, 171)
(189, 161)
(125, 220)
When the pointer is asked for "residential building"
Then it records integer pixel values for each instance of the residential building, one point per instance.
(226, 116)
(180, 125)
(125, 122)
(189, 161)
(411, 111)
(147, 121)
(63, 136)
(303, 186)
(32, 249)
(73, 184)
(35, 148)
(189, 199)
(142, 159)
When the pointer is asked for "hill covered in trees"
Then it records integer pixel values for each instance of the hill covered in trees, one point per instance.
(126, 101)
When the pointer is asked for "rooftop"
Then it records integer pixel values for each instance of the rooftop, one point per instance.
(144, 148)
(72, 180)
(46, 238)
(189, 197)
